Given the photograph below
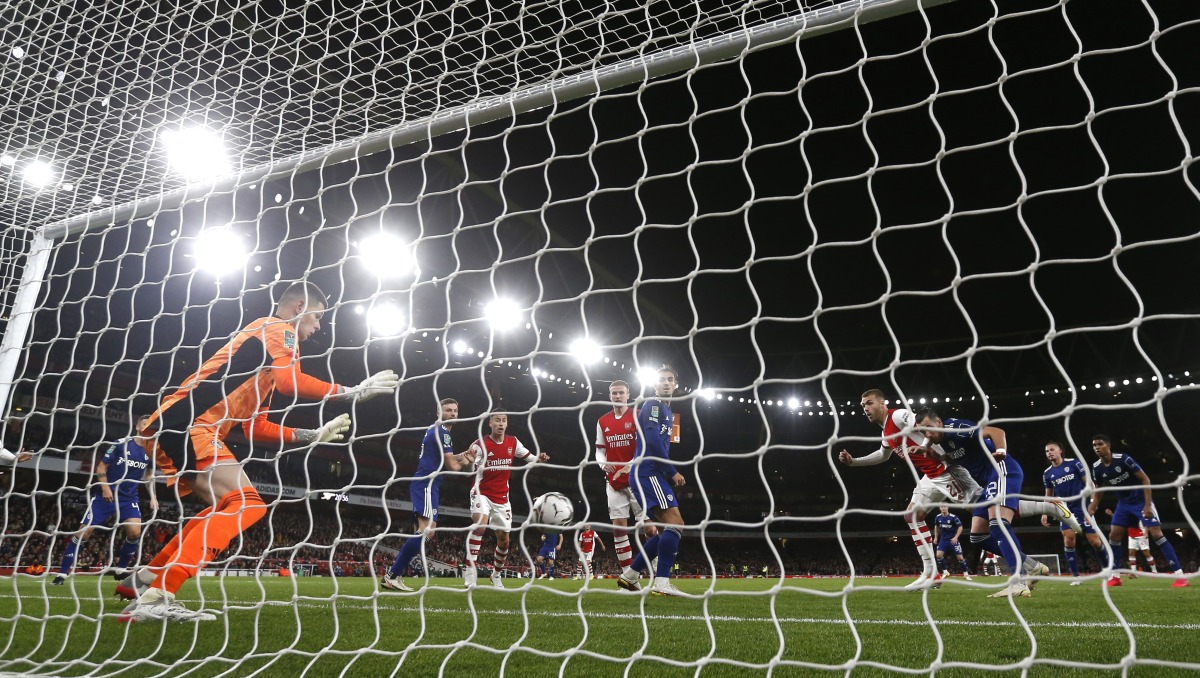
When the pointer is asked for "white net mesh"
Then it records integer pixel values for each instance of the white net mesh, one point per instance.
(978, 207)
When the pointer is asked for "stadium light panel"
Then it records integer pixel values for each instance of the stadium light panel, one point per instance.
(585, 350)
(707, 393)
(503, 314)
(793, 403)
(195, 152)
(38, 173)
(386, 320)
(220, 250)
(386, 256)
(647, 376)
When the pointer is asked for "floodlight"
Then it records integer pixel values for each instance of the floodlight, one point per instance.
(219, 250)
(386, 256)
(707, 393)
(38, 173)
(503, 314)
(585, 350)
(793, 403)
(386, 320)
(460, 346)
(647, 376)
(195, 152)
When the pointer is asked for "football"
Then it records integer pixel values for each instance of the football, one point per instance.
(553, 509)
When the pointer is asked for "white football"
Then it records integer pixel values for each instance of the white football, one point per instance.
(553, 509)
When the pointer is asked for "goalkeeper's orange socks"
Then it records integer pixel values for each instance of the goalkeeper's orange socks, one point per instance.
(236, 512)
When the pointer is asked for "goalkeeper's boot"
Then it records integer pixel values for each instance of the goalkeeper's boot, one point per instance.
(395, 584)
(130, 588)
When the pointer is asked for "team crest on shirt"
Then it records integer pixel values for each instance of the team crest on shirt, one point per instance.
(670, 497)
(628, 426)
(289, 339)
(1117, 469)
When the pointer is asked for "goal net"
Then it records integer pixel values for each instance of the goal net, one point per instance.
(986, 208)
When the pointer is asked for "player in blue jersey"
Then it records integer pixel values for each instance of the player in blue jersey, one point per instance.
(437, 456)
(551, 544)
(654, 476)
(947, 529)
(1068, 479)
(982, 451)
(1134, 502)
(125, 466)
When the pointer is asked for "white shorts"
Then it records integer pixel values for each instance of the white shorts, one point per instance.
(499, 515)
(622, 502)
(955, 486)
(1141, 543)
(587, 556)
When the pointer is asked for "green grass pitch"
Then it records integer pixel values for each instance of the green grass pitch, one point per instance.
(323, 627)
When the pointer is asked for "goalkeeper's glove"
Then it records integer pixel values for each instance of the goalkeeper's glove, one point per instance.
(331, 432)
(380, 383)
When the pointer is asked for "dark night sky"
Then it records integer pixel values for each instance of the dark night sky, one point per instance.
(750, 224)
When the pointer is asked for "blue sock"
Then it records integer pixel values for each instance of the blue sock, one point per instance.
(1010, 548)
(1118, 551)
(128, 550)
(552, 572)
(68, 560)
(668, 548)
(1101, 556)
(1072, 561)
(651, 551)
(410, 550)
(962, 564)
(985, 541)
(941, 564)
(1169, 552)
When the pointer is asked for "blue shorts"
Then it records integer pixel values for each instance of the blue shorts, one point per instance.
(1076, 508)
(946, 546)
(655, 491)
(1006, 483)
(425, 499)
(1127, 514)
(101, 510)
(547, 550)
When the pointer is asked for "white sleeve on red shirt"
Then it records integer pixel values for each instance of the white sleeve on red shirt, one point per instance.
(601, 448)
(522, 452)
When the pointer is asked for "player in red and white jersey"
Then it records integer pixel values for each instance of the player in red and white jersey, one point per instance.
(938, 482)
(1138, 541)
(588, 541)
(493, 455)
(616, 437)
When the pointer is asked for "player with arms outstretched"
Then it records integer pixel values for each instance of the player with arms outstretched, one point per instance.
(616, 442)
(981, 450)
(655, 475)
(947, 529)
(937, 482)
(493, 457)
(437, 455)
(124, 467)
(235, 386)
(1134, 503)
(1068, 479)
